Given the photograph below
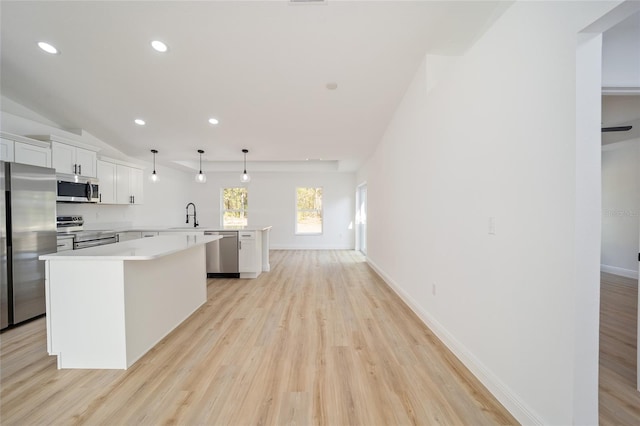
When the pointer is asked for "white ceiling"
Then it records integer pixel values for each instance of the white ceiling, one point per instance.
(260, 67)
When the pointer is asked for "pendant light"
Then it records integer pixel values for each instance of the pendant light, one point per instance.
(201, 177)
(154, 176)
(245, 178)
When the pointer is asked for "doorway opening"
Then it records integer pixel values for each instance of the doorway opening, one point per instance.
(361, 218)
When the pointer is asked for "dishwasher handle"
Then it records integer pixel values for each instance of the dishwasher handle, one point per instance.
(221, 235)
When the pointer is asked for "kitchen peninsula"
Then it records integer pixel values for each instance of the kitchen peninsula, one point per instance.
(252, 243)
(108, 305)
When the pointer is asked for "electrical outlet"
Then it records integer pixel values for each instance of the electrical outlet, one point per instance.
(433, 289)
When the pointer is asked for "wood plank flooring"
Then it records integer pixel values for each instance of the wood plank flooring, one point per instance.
(318, 340)
(619, 398)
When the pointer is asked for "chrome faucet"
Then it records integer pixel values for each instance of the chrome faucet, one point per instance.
(195, 219)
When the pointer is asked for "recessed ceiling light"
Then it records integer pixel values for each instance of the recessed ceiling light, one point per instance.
(48, 47)
(213, 121)
(159, 46)
(332, 86)
(139, 122)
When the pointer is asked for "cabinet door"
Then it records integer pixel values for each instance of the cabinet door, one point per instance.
(31, 154)
(136, 185)
(107, 176)
(63, 158)
(181, 233)
(129, 235)
(123, 191)
(86, 161)
(6, 150)
(247, 258)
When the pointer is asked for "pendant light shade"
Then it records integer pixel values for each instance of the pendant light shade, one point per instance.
(153, 177)
(201, 177)
(245, 176)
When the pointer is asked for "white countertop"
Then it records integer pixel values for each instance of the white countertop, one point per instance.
(140, 249)
(190, 228)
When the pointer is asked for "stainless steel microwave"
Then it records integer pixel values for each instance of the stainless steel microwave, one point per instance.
(77, 189)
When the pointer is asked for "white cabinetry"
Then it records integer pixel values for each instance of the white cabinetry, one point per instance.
(249, 259)
(6, 149)
(72, 159)
(107, 177)
(119, 183)
(128, 185)
(128, 235)
(32, 154)
(24, 150)
(186, 233)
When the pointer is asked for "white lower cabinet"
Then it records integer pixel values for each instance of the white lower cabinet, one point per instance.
(128, 235)
(188, 233)
(249, 260)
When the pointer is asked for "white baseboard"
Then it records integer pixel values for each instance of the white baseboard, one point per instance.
(629, 273)
(511, 401)
(285, 247)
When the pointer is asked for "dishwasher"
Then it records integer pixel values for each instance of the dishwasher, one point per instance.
(222, 255)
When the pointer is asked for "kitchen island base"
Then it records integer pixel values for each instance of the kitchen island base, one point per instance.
(106, 314)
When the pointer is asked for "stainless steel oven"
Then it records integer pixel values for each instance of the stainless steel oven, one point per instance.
(77, 189)
(71, 227)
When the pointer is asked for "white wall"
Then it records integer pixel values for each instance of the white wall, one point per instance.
(272, 201)
(496, 138)
(164, 204)
(620, 207)
(621, 56)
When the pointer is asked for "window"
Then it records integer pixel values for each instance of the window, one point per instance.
(308, 210)
(234, 204)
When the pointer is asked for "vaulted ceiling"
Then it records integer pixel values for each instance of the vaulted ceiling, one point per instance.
(261, 68)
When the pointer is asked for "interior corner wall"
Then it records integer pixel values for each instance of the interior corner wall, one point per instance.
(272, 201)
(621, 207)
(486, 163)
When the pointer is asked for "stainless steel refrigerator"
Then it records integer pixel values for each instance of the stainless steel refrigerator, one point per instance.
(27, 230)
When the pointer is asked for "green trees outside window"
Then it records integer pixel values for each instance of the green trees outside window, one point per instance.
(308, 210)
(235, 202)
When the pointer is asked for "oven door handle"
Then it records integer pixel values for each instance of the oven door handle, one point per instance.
(95, 243)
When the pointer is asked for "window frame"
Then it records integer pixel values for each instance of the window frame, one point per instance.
(320, 211)
(223, 210)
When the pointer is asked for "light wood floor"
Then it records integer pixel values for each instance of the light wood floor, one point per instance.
(619, 399)
(318, 340)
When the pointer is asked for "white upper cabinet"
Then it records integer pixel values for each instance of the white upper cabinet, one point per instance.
(32, 154)
(120, 182)
(21, 149)
(107, 177)
(71, 159)
(6, 149)
(128, 185)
